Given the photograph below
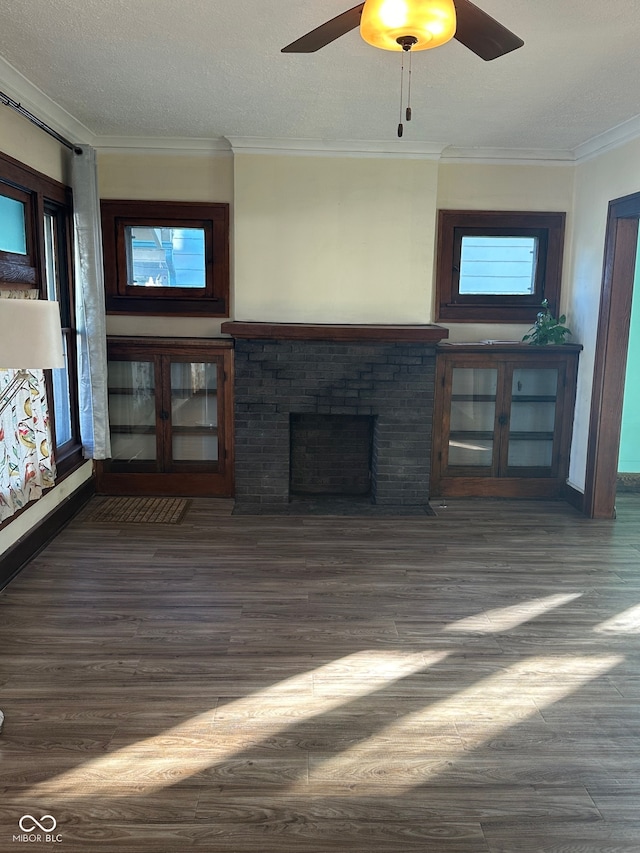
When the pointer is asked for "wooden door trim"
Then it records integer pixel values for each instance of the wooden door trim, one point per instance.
(612, 343)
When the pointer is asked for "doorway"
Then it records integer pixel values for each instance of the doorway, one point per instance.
(629, 458)
(621, 249)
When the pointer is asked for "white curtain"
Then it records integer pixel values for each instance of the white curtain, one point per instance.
(90, 310)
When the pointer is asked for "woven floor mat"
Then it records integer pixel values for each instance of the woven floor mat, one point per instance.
(138, 510)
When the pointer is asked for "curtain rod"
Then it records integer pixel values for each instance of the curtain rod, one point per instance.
(9, 102)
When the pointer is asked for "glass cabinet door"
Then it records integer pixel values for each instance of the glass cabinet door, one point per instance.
(473, 412)
(132, 412)
(502, 421)
(194, 412)
(170, 416)
(533, 418)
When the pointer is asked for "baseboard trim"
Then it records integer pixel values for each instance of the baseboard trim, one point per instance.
(26, 548)
(628, 483)
(574, 497)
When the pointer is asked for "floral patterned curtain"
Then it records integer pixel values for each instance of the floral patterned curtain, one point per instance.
(27, 466)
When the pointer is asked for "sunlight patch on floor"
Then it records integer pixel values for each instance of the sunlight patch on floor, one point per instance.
(507, 618)
(487, 708)
(179, 753)
(627, 622)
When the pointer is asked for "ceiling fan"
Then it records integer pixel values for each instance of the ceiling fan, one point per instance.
(415, 25)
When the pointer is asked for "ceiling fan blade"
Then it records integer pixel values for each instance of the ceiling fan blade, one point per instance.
(326, 33)
(481, 33)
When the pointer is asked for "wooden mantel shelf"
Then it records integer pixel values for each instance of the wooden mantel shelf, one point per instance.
(516, 347)
(331, 332)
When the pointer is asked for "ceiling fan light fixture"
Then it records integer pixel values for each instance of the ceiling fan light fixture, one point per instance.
(430, 22)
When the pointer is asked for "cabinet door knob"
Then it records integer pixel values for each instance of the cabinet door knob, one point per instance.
(503, 419)
(164, 416)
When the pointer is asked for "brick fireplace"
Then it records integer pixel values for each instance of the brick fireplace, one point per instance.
(333, 410)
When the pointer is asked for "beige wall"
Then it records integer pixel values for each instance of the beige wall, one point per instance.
(195, 176)
(479, 186)
(334, 239)
(24, 142)
(597, 182)
(23, 523)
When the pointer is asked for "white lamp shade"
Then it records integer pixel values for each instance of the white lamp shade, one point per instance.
(30, 334)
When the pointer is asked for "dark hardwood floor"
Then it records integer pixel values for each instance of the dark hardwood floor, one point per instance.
(468, 683)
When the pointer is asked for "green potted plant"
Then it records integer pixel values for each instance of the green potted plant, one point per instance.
(546, 329)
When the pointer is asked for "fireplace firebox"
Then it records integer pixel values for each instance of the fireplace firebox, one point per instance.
(330, 454)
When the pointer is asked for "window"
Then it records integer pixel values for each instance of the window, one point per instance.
(166, 257)
(63, 379)
(17, 261)
(496, 266)
(35, 236)
(13, 229)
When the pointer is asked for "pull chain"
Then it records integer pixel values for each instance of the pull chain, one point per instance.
(406, 43)
(408, 113)
(400, 125)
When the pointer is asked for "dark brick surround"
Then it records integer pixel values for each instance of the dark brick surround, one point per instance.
(393, 382)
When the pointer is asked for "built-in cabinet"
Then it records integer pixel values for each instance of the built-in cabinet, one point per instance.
(170, 417)
(503, 418)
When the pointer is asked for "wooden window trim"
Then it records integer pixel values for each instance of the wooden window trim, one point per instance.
(19, 272)
(212, 301)
(453, 225)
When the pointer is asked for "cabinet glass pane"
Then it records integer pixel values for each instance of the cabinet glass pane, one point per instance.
(533, 415)
(474, 381)
(535, 382)
(473, 407)
(528, 417)
(530, 453)
(194, 411)
(472, 416)
(132, 410)
(478, 452)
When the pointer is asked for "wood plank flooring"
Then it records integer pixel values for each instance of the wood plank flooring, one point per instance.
(468, 683)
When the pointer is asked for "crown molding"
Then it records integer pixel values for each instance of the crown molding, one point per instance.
(224, 146)
(610, 139)
(335, 148)
(161, 145)
(18, 87)
(509, 156)
(34, 99)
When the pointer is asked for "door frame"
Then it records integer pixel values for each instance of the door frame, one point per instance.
(612, 344)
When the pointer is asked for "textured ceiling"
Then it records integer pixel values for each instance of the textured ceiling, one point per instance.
(205, 69)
